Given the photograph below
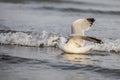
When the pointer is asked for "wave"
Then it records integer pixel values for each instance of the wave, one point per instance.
(27, 38)
(89, 10)
(109, 45)
(60, 65)
(19, 60)
(68, 6)
(102, 70)
(45, 39)
(80, 2)
(50, 1)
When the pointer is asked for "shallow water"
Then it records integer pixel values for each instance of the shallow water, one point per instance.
(50, 63)
(36, 23)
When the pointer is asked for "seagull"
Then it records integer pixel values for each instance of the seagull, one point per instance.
(76, 41)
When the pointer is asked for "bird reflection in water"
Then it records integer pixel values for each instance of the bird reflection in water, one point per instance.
(81, 58)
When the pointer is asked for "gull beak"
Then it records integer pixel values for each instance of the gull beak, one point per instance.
(56, 40)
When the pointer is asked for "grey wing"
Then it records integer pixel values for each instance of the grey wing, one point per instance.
(77, 28)
(92, 39)
(87, 38)
(80, 25)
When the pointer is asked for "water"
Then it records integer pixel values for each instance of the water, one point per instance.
(28, 27)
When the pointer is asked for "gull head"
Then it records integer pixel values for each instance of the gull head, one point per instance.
(59, 41)
(55, 41)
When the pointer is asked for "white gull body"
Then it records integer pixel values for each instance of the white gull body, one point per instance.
(75, 43)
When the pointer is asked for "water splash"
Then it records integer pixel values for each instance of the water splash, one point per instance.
(28, 38)
(44, 38)
(109, 45)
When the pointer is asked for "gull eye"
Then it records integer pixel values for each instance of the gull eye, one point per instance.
(53, 40)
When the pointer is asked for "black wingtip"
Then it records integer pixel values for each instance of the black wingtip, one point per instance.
(91, 20)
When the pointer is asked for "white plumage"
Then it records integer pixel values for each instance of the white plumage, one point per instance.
(76, 42)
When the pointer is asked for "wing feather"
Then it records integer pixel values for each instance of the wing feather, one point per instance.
(87, 38)
(77, 28)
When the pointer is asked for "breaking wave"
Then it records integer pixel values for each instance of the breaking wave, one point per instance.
(45, 39)
(91, 10)
(27, 38)
(109, 45)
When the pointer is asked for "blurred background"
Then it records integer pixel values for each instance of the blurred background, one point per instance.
(56, 16)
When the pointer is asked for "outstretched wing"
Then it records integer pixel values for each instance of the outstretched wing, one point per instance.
(81, 25)
(78, 27)
(92, 39)
(87, 38)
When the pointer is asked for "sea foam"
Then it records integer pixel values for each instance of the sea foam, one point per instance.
(109, 45)
(28, 38)
(45, 39)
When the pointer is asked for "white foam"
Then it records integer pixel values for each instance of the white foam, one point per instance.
(28, 39)
(46, 39)
(109, 45)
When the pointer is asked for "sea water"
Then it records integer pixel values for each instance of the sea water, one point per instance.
(27, 29)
